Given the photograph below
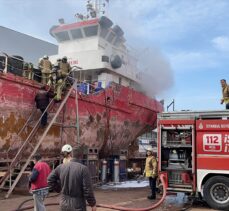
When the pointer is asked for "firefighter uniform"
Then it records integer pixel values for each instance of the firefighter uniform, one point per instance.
(65, 68)
(151, 167)
(28, 71)
(226, 96)
(45, 66)
(151, 172)
(225, 93)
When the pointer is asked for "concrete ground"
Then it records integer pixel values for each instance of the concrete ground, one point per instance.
(132, 198)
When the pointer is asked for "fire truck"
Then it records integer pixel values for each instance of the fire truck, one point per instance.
(193, 154)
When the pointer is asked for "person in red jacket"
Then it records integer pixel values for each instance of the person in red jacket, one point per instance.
(38, 182)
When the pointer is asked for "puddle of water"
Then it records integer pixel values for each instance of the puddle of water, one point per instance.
(127, 184)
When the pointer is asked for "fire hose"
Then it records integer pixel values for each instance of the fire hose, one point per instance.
(114, 207)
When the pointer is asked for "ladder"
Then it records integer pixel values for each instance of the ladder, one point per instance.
(27, 123)
(34, 146)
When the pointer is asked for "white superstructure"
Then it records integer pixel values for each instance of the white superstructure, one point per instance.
(98, 47)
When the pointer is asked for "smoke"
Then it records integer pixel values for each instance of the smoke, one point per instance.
(156, 72)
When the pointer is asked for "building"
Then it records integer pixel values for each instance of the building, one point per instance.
(30, 48)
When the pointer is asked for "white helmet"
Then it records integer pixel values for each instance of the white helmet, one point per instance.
(66, 148)
(149, 149)
(45, 57)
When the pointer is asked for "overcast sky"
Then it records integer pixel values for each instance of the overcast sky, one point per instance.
(188, 38)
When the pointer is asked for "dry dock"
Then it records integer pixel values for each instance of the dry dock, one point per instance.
(130, 197)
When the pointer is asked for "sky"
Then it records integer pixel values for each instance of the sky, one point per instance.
(186, 41)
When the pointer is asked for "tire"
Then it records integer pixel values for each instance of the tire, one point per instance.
(216, 192)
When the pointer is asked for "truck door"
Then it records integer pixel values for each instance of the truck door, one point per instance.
(213, 162)
(176, 150)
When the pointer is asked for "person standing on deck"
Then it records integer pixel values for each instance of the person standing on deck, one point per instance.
(225, 93)
(46, 67)
(65, 69)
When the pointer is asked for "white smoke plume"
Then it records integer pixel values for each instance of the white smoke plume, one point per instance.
(156, 72)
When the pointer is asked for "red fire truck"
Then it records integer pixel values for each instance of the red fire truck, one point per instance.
(193, 153)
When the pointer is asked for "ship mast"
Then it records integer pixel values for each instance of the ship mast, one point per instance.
(95, 9)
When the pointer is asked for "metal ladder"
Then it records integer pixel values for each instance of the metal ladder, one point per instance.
(34, 147)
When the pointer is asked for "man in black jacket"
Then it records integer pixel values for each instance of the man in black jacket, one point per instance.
(73, 180)
(42, 101)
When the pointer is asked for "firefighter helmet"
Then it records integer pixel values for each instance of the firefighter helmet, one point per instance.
(45, 57)
(149, 149)
(66, 148)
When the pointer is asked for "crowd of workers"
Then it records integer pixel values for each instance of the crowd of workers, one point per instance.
(72, 180)
(51, 74)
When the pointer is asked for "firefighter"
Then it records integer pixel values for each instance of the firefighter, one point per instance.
(45, 66)
(151, 171)
(225, 92)
(53, 78)
(65, 68)
(67, 152)
(28, 71)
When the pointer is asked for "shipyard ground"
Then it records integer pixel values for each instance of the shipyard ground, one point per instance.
(134, 197)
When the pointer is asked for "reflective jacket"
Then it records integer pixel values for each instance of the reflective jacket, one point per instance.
(72, 179)
(225, 91)
(151, 166)
(65, 68)
(45, 65)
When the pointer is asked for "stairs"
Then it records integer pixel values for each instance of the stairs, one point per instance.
(12, 175)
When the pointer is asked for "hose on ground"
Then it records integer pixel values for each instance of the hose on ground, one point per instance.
(114, 207)
(20, 205)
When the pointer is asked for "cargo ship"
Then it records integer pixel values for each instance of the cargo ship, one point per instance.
(113, 109)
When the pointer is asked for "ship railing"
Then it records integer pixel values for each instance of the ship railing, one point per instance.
(85, 87)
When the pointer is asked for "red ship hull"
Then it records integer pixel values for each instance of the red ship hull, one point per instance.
(109, 120)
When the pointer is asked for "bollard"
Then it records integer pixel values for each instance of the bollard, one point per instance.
(104, 171)
(116, 171)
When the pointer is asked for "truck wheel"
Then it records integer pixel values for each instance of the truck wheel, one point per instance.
(216, 192)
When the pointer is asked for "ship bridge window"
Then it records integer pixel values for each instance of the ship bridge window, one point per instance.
(117, 41)
(62, 36)
(103, 33)
(91, 31)
(76, 33)
(111, 37)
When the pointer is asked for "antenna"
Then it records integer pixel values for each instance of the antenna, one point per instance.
(96, 8)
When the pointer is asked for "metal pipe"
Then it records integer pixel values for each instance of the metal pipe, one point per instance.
(116, 171)
(77, 117)
(104, 171)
